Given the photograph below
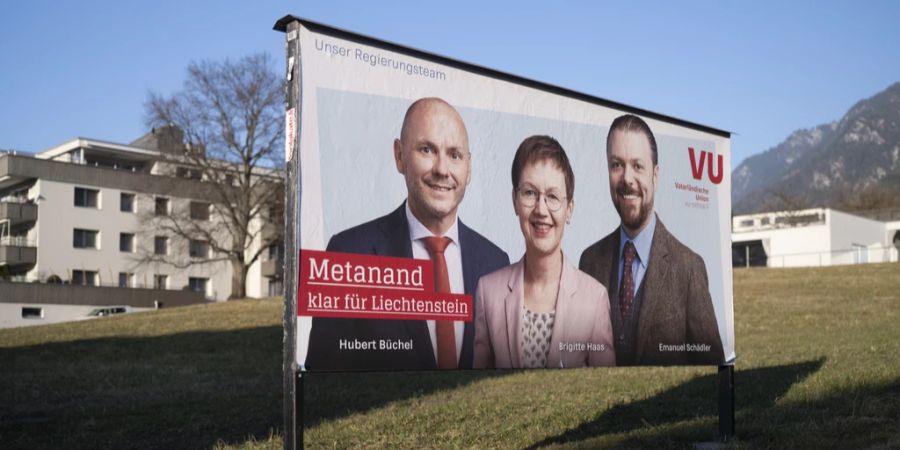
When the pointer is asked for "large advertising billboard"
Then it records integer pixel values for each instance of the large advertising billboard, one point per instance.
(452, 216)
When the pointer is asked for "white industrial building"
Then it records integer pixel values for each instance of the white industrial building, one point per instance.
(74, 233)
(814, 237)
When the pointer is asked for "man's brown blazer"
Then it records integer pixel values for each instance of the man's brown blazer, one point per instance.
(676, 306)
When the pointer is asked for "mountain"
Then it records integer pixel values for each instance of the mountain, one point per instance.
(850, 164)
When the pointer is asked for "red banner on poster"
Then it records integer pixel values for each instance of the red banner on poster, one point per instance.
(356, 286)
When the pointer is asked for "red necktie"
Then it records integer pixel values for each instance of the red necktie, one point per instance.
(627, 292)
(446, 337)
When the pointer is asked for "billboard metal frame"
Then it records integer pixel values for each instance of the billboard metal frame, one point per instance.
(293, 377)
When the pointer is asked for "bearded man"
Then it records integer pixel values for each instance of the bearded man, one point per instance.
(660, 306)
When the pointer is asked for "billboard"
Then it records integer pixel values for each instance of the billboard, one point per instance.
(447, 215)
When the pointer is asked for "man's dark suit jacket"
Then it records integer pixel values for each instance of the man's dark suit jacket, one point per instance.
(389, 236)
(676, 307)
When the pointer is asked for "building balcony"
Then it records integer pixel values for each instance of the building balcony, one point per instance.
(71, 294)
(17, 252)
(17, 212)
(273, 268)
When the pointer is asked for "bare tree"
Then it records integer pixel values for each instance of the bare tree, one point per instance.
(872, 197)
(780, 199)
(231, 115)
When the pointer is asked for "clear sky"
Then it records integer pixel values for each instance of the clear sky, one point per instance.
(760, 69)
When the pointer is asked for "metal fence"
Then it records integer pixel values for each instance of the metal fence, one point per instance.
(857, 255)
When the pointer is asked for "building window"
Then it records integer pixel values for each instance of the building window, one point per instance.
(30, 312)
(198, 284)
(276, 213)
(84, 277)
(87, 198)
(185, 172)
(275, 252)
(160, 281)
(126, 242)
(17, 196)
(276, 287)
(126, 280)
(199, 211)
(160, 245)
(161, 206)
(126, 202)
(199, 249)
(84, 238)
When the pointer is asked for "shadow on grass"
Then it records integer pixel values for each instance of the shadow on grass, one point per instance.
(866, 416)
(330, 396)
(861, 416)
(185, 390)
(755, 390)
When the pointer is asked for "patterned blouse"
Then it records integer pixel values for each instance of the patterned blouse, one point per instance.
(536, 331)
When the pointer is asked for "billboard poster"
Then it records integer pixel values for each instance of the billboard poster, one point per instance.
(455, 217)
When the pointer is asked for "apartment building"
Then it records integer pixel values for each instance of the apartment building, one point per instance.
(85, 225)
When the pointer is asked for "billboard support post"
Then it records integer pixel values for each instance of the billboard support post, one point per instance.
(298, 411)
(292, 376)
(726, 403)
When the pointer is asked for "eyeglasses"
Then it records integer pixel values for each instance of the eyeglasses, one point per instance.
(529, 197)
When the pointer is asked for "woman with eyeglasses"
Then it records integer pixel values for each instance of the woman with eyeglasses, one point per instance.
(542, 311)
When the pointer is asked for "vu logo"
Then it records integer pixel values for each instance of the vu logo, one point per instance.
(706, 158)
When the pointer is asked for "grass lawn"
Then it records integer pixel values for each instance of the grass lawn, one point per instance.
(818, 366)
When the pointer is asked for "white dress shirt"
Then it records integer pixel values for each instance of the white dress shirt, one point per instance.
(453, 258)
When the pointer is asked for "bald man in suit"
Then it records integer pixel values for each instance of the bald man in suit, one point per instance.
(432, 154)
